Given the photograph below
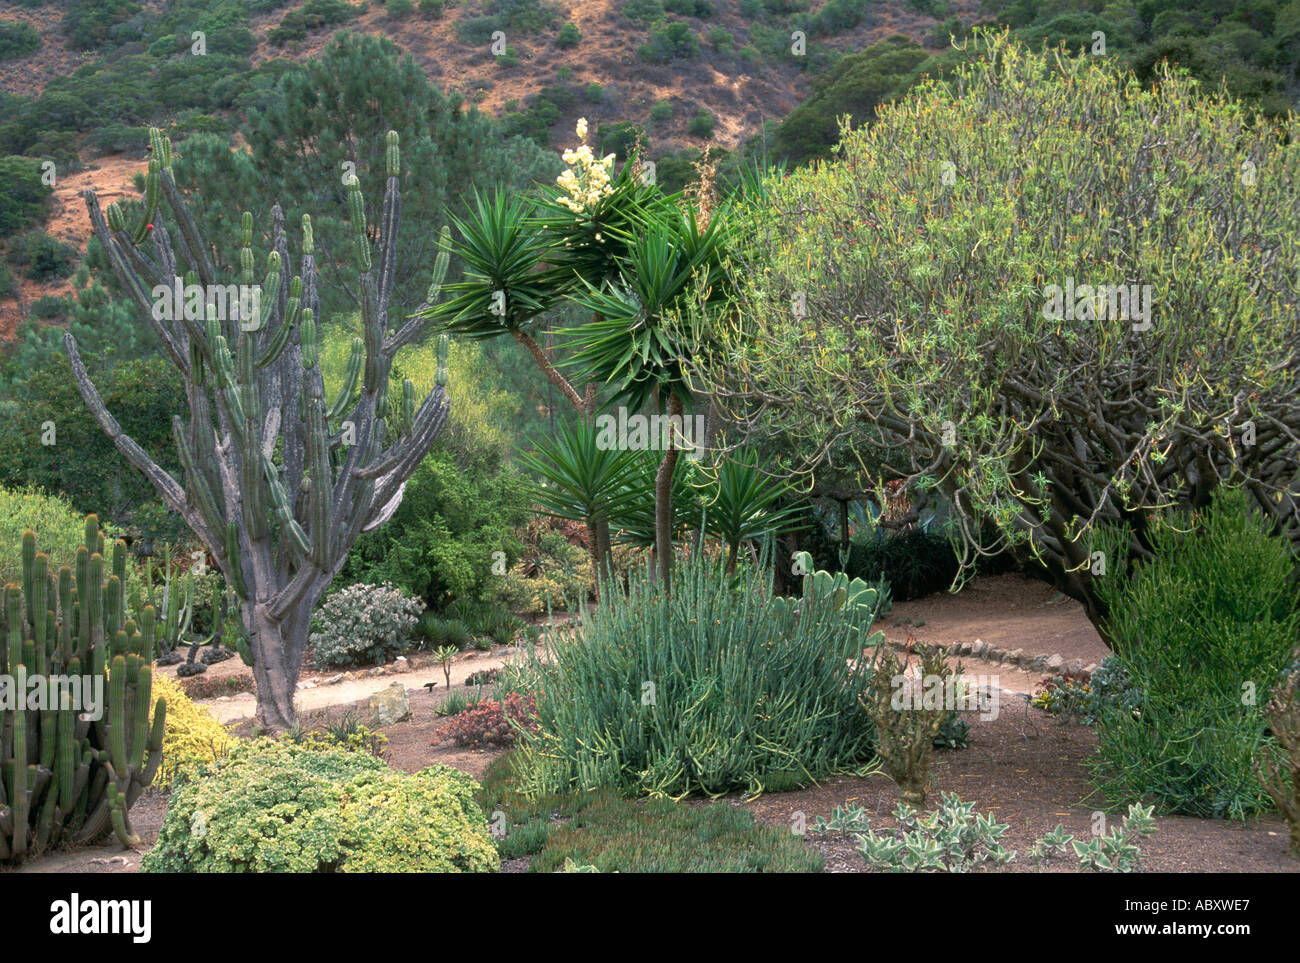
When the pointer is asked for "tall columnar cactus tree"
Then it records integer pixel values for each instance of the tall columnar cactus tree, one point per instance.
(278, 480)
(76, 743)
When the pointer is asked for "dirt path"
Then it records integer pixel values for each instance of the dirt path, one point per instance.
(315, 695)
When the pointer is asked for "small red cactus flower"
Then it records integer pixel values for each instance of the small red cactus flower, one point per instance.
(148, 227)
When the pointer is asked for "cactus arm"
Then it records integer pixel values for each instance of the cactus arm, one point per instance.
(164, 483)
(18, 797)
(351, 376)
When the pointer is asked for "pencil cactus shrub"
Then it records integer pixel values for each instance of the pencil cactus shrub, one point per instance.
(78, 750)
(278, 478)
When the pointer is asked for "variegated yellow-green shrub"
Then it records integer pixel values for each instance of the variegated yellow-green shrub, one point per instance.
(192, 736)
(279, 807)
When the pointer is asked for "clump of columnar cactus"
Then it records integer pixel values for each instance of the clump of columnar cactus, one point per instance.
(76, 743)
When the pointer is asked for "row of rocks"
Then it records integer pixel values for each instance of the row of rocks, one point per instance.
(1055, 664)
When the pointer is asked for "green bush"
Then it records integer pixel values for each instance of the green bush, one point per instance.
(441, 541)
(18, 39)
(552, 573)
(89, 23)
(42, 257)
(1203, 631)
(702, 124)
(312, 15)
(276, 807)
(595, 93)
(569, 36)
(143, 395)
(619, 137)
(712, 690)
(7, 286)
(661, 112)
(23, 199)
(915, 562)
(47, 306)
(642, 11)
(363, 625)
(670, 41)
(399, 9)
(703, 9)
(60, 529)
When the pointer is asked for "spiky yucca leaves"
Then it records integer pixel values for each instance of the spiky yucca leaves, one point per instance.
(77, 749)
(583, 482)
(279, 480)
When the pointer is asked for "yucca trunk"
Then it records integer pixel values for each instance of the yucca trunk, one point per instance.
(664, 500)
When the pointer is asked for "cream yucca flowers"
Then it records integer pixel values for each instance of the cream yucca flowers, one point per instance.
(587, 179)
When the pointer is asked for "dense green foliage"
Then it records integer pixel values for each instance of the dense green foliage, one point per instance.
(25, 195)
(670, 41)
(1252, 50)
(1206, 628)
(711, 691)
(18, 40)
(144, 395)
(280, 807)
(312, 15)
(41, 257)
(465, 499)
(440, 544)
(60, 526)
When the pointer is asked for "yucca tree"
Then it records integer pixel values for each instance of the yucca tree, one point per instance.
(678, 262)
(583, 482)
(524, 256)
(278, 480)
(505, 288)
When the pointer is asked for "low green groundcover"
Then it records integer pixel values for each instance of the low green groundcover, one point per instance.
(617, 835)
(279, 807)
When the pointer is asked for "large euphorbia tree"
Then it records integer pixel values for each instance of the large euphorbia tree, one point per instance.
(1054, 298)
(278, 479)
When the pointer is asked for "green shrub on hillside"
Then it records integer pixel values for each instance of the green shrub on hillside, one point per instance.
(18, 39)
(24, 197)
(668, 42)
